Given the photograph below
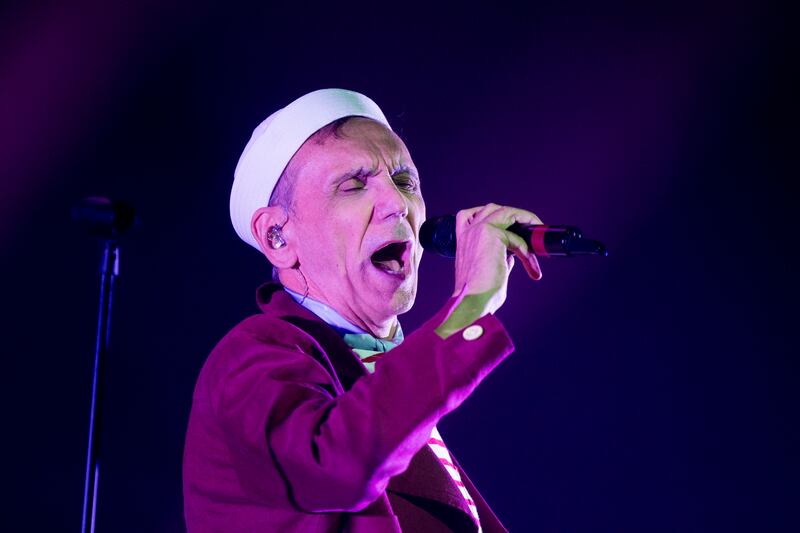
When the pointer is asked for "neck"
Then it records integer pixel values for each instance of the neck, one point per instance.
(381, 329)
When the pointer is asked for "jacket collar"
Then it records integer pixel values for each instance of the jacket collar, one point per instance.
(276, 302)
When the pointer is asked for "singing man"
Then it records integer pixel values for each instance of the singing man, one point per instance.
(318, 413)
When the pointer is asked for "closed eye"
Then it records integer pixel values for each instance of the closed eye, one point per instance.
(353, 181)
(405, 179)
(352, 184)
(405, 182)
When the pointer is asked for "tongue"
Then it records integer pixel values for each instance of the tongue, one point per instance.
(390, 265)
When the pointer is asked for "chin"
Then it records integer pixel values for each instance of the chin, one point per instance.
(403, 300)
(388, 296)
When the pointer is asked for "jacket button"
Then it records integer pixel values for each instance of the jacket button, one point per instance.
(473, 332)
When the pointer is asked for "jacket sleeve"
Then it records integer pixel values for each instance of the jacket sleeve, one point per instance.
(278, 407)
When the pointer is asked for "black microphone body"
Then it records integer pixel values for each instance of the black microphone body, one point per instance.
(104, 218)
(438, 234)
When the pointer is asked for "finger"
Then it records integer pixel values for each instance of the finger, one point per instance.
(465, 216)
(485, 212)
(507, 216)
(519, 248)
(533, 268)
(467, 213)
(474, 215)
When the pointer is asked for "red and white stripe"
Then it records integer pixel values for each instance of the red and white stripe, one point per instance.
(437, 445)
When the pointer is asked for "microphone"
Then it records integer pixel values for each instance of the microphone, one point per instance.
(104, 218)
(438, 234)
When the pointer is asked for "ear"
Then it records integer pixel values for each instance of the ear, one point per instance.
(265, 218)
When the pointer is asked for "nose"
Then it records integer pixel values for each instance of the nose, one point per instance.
(389, 201)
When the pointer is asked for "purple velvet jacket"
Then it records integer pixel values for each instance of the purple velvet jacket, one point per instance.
(288, 431)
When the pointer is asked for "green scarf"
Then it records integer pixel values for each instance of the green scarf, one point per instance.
(368, 348)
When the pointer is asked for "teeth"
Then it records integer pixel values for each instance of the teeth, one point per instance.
(390, 265)
(393, 265)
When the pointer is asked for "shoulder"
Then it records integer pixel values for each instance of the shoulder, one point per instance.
(260, 344)
(264, 334)
(266, 329)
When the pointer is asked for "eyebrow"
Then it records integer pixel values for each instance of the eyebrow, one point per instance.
(361, 172)
(399, 169)
(364, 172)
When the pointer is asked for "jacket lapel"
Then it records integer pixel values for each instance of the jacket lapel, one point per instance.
(489, 521)
(427, 478)
(343, 365)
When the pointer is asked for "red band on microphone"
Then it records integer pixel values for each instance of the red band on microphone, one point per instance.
(537, 241)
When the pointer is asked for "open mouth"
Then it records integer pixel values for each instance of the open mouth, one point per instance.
(391, 258)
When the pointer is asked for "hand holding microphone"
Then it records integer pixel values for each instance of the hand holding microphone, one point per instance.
(486, 250)
(489, 238)
(484, 258)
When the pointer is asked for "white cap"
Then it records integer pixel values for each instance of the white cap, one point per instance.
(276, 140)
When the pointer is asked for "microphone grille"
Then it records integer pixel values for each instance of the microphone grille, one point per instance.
(438, 234)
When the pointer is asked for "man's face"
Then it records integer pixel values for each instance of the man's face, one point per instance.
(357, 209)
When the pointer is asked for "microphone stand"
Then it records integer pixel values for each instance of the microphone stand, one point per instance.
(109, 270)
(106, 220)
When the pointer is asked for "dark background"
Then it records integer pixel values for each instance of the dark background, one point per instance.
(654, 390)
